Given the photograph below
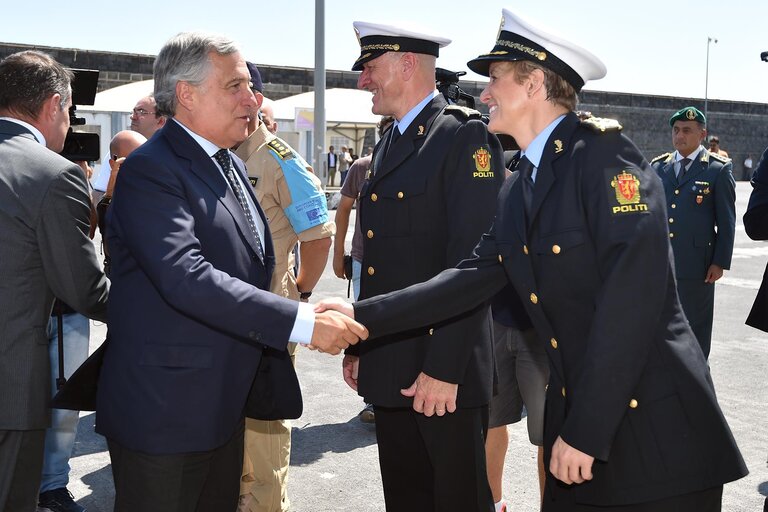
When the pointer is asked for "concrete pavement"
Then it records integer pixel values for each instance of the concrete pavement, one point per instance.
(334, 464)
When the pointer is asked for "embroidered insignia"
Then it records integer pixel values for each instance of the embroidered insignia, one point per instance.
(421, 130)
(690, 114)
(280, 148)
(627, 189)
(482, 158)
(253, 181)
(558, 146)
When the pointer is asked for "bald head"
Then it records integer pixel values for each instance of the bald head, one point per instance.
(124, 142)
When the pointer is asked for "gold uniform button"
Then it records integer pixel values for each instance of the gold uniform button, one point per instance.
(431, 332)
(677, 192)
(370, 233)
(553, 342)
(501, 260)
(534, 298)
(671, 220)
(546, 388)
(671, 235)
(556, 249)
(633, 404)
(525, 249)
(371, 271)
(400, 195)
(674, 206)
(374, 197)
(563, 391)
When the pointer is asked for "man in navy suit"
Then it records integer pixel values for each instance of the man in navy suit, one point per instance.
(193, 318)
(701, 209)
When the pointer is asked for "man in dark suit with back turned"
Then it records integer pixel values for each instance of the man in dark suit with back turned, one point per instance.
(756, 226)
(192, 260)
(701, 210)
(44, 252)
(429, 194)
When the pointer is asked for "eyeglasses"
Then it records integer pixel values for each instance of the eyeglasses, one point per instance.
(140, 112)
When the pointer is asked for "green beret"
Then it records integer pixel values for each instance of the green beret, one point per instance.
(688, 114)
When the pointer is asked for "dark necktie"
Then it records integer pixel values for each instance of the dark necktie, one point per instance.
(225, 161)
(392, 139)
(526, 171)
(683, 164)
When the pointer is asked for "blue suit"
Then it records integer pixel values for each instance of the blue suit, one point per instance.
(702, 224)
(191, 312)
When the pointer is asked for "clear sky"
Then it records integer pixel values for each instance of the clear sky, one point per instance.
(654, 46)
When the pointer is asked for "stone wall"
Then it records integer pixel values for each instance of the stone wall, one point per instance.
(741, 126)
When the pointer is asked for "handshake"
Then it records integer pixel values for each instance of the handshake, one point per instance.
(335, 327)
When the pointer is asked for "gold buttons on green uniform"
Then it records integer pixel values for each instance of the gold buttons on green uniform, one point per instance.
(501, 260)
(556, 249)
(534, 298)
(370, 233)
(374, 197)
(553, 342)
(677, 192)
(671, 220)
(525, 249)
(671, 235)
(673, 206)
(371, 271)
(400, 195)
(633, 404)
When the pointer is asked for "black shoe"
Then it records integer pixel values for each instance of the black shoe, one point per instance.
(58, 500)
(367, 415)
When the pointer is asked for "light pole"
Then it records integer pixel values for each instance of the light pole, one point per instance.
(706, 77)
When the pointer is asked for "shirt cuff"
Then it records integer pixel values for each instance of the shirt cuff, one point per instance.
(304, 324)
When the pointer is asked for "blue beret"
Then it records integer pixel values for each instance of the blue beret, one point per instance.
(256, 83)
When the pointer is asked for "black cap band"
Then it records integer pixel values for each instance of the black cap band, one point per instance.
(374, 46)
(513, 47)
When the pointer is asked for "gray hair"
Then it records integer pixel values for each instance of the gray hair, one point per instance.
(184, 58)
(29, 78)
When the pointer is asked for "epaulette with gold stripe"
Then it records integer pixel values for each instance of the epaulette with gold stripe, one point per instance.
(660, 157)
(468, 113)
(720, 158)
(602, 124)
(279, 147)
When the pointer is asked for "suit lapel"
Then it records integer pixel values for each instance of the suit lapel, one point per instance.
(202, 165)
(409, 141)
(555, 147)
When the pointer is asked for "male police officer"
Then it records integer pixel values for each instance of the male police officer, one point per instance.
(429, 195)
(700, 194)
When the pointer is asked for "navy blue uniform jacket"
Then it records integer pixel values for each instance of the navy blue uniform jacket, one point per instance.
(628, 382)
(189, 311)
(756, 226)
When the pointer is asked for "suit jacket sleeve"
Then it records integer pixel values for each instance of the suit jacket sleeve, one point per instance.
(470, 202)
(450, 293)
(756, 217)
(69, 258)
(151, 214)
(725, 216)
(633, 258)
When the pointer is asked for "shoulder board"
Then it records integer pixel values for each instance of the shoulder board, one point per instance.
(280, 147)
(660, 157)
(719, 158)
(601, 124)
(468, 113)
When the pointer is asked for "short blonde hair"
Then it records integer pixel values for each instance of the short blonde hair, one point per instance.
(559, 91)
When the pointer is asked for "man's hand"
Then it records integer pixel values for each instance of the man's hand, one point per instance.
(336, 304)
(334, 332)
(568, 464)
(338, 265)
(432, 396)
(714, 273)
(349, 368)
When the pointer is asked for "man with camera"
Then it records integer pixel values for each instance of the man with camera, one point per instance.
(45, 252)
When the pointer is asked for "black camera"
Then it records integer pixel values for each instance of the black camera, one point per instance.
(82, 146)
(447, 82)
(764, 56)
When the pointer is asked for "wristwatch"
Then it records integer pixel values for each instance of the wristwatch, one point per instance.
(305, 295)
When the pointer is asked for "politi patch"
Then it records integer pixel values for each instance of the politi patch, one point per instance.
(627, 189)
(482, 158)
